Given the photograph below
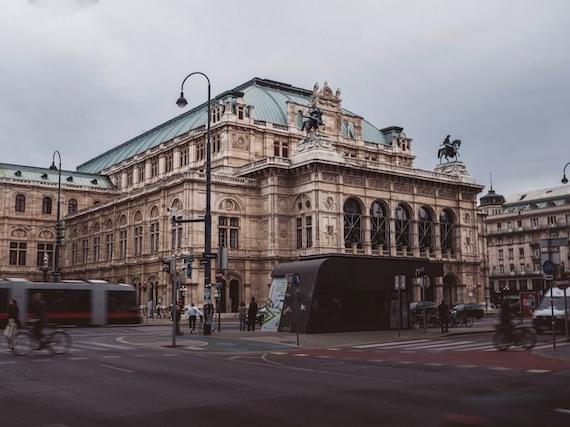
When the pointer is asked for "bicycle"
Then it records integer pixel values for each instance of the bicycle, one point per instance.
(519, 337)
(57, 342)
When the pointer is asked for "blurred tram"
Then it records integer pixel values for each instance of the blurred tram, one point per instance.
(73, 302)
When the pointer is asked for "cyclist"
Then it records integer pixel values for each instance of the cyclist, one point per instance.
(505, 318)
(38, 315)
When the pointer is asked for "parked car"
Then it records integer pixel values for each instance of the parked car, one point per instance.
(471, 310)
(416, 308)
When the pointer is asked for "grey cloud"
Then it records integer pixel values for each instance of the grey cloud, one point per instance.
(493, 73)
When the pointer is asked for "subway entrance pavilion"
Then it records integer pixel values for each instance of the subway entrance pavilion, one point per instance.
(351, 188)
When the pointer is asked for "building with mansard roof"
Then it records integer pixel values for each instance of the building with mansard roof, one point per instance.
(276, 195)
(523, 230)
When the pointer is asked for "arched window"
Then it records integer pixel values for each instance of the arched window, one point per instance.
(154, 212)
(352, 228)
(378, 226)
(402, 219)
(425, 228)
(20, 203)
(138, 216)
(71, 206)
(446, 229)
(46, 205)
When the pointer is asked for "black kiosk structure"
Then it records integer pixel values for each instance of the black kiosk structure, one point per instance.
(342, 293)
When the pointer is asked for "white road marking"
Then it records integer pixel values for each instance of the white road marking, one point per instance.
(43, 360)
(116, 368)
(333, 349)
(300, 354)
(10, 362)
(544, 346)
(105, 345)
(169, 355)
(538, 371)
(324, 357)
(405, 362)
(500, 368)
(377, 360)
(77, 358)
(279, 353)
(562, 410)
(434, 364)
(449, 344)
(417, 345)
(111, 356)
(474, 346)
(478, 348)
(467, 366)
(193, 348)
(390, 344)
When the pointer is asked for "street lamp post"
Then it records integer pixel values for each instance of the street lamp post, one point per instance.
(208, 312)
(58, 234)
(564, 179)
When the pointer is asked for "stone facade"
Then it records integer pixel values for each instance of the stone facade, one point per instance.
(277, 195)
(28, 213)
(517, 226)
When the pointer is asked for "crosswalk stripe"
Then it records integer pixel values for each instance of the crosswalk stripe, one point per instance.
(486, 347)
(474, 346)
(389, 344)
(113, 346)
(543, 346)
(448, 345)
(418, 346)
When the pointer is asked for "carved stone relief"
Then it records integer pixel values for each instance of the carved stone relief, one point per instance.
(425, 191)
(46, 234)
(327, 177)
(283, 205)
(354, 181)
(404, 187)
(380, 185)
(240, 142)
(328, 203)
(18, 232)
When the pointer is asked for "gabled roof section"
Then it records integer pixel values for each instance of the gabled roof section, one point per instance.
(268, 97)
(46, 175)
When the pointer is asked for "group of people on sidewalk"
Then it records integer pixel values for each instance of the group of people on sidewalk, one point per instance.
(247, 316)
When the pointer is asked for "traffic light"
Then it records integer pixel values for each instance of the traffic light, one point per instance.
(166, 261)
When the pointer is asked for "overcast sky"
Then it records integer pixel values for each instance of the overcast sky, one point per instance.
(91, 74)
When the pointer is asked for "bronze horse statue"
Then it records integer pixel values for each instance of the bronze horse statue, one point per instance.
(449, 150)
(313, 121)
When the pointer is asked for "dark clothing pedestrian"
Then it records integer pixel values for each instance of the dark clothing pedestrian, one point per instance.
(443, 311)
(38, 311)
(251, 315)
(14, 313)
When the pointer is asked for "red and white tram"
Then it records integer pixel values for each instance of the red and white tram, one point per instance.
(73, 302)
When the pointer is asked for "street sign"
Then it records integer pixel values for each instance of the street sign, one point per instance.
(548, 276)
(548, 268)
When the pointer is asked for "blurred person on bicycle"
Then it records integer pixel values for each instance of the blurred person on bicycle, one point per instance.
(38, 316)
(505, 317)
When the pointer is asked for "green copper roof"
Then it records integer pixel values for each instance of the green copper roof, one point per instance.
(269, 99)
(46, 175)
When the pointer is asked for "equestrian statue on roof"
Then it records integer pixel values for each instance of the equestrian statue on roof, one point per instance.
(313, 121)
(449, 149)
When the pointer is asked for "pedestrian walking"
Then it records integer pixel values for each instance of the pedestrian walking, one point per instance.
(193, 313)
(251, 315)
(443, 311)
(13, 323)
(158, 311)
(242, 313)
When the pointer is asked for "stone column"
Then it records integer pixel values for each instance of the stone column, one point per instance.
(124, 179)
(415, 237)
(366, 229)
(176, 159)
(161, 165)
(392, 233)
(147, 170)
(136, 175)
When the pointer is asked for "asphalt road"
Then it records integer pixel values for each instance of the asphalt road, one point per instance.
(105, 382)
